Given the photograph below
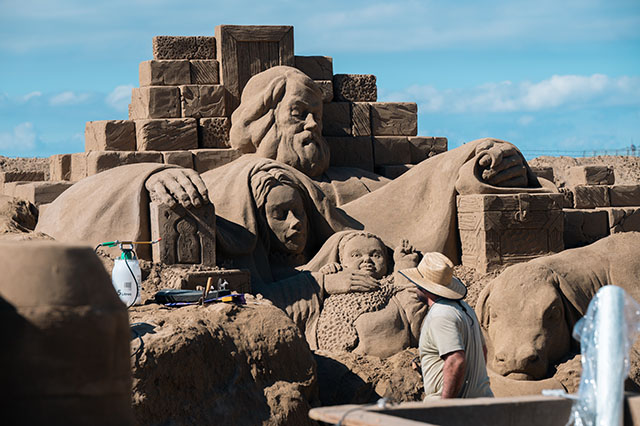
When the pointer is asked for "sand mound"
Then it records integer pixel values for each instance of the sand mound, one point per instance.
(625, 168)
(220, 364)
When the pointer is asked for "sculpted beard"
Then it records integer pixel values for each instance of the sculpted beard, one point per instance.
(306, 151)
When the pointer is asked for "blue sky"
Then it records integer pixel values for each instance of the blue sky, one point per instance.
(546, 75)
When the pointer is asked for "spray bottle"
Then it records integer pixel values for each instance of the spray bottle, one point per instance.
(126, 275)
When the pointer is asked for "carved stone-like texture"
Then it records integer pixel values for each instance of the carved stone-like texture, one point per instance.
(110, 135)
(39, 193)
(179, 158)
(392, 171)
(213, 132)
(316, 67)
(624, 195)
(208, 159)
(188, 236)
(623, 219)
(351, 152)
(184, 47)
(166, 134)
(360, 119)
(391, 150)
(394, 119)
(500, 230)
(60, 167)
(246, 50)
(590, 175)
(590, 196)
(423, 147)
(543, 172)
(583, 227)
(355, 88)
(99, 161)
(204, 71)
(164, 73)
(155, 102)
(326, 87)
(336, 119)
(203, 101)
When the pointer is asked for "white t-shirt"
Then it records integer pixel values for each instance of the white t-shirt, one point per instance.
(447, 328)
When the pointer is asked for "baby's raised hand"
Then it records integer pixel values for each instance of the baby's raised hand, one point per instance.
(405, 256)
(331, 268)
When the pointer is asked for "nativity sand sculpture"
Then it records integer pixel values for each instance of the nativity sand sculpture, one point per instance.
(276, 206)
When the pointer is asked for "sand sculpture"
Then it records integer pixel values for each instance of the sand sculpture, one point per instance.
(66, 333)
(527, 335)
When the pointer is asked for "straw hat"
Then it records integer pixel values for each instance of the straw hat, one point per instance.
(435, 275)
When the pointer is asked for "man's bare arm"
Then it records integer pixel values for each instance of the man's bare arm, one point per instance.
(453, 372)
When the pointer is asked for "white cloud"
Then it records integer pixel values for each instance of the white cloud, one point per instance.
(525, 120)
(23, 138)
(68, 98)
(565, 91)
(31, 95)
(120, 97)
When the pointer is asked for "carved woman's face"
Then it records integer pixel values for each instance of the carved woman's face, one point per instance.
(365, 254)
(287, 219)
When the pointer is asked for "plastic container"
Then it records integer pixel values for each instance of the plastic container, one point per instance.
(126, 278)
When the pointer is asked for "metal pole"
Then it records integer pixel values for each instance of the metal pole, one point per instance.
(610, 335)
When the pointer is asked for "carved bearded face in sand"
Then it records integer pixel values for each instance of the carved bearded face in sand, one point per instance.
(364, 253)
(280, 117)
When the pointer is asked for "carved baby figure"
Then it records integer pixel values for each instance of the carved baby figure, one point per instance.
(381, 322)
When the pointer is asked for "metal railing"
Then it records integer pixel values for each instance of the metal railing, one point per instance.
(632, 151)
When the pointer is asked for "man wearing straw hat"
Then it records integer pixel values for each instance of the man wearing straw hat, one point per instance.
(452, 350)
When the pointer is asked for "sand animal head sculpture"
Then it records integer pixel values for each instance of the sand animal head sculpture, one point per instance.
(524, 305)
(282, 208)
(528, 312)
(362, 251)
(280, 117)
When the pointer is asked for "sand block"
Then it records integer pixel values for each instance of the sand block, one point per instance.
(246, 50)
(78, 166)
(624, 195)
(11, 176)
(623, 219)
(316, 67)
(213, 132)
(394, 118)
(204, 71)
(500, 230)
(238, 279)
(590, 175)
(423, 147)
(351, 152)
(60, 167)
(209, 159)
(355, 88)
(184, 47)
(392, 171)
(178, 158)
(164, 73)
(360, 119)
(203, 101)
(110, 135)
(336, 119)
(391, 150)
(99, 161)
(155, 102)
(583, 227)
(326, 87)
(590, 196)
(188, 235)
(39, 192)
(544, 172)
(166, 134)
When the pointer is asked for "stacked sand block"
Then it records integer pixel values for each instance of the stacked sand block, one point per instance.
(544, 172)
(364, 133)
(31, 186)
(499, 230)
(595, 207)
(237, 279)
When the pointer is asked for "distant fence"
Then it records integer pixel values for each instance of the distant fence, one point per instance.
(629, 151)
